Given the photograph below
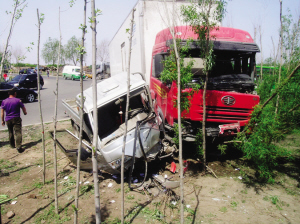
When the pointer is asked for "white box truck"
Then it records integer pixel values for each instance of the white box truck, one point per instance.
(230, 94)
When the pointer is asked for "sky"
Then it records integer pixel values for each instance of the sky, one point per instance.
(241, 14)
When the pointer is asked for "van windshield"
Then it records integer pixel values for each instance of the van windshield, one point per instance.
(77, 69)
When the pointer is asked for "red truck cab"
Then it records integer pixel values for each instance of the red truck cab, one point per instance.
(231, 92)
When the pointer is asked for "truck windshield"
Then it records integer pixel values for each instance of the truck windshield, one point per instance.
(231, 70)
(225, 63)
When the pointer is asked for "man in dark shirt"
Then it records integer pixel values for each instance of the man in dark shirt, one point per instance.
(12, 106)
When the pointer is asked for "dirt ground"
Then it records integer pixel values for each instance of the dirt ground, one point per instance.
(233, 197)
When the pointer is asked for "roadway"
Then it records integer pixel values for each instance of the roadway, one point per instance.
(67, 89)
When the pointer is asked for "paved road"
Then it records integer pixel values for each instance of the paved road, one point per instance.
(67, 89)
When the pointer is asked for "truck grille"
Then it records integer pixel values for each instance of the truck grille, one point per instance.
(228, 109)
(222, 113)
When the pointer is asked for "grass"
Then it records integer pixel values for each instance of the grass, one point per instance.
(86, 188)
(130, 197)
(6, 165)
(210, 215)
(244, 191)
(233, 204)
(3, 210)
(51, 217)
(276, 201)
(223, 209)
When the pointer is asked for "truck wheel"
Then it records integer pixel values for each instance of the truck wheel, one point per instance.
(73, 78)
(65, 77)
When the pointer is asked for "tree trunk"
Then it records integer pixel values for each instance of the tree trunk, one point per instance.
(126, 120)
(179, 131)
(95, 116)
(81, 117)
(171, 25)
(55, 121)
(207, 52)
(9, 36)
(279, 74)
(261, 55)
(39, 97)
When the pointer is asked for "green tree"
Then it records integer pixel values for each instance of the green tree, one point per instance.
(16, 14)
(50, 51)
(71, 52)
(203, 16)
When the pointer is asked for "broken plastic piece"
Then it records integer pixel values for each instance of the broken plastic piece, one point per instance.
(173, 167)
(186, 165)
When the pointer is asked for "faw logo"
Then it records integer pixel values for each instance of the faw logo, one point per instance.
(228, 100)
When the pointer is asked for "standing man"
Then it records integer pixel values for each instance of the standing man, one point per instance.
(12, 106)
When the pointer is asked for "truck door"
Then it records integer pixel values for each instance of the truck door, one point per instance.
(159, 90)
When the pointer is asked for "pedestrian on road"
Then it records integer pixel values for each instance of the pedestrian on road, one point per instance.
(5, 77)
(48, 73)
(12, 106)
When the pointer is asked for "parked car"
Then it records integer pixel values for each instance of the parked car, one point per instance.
(27, 95)
(26, 71)
(28, 80)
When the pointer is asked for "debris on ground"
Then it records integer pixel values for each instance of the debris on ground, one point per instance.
(10, 214)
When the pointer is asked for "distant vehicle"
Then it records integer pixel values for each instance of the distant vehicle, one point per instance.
(27, 80)
(41, 68)
(103, 70)
(265, 69)
(89, 75)
(27, 71)
(27, 95)
(72, 72)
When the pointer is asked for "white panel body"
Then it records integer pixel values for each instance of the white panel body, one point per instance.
(150, 18)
